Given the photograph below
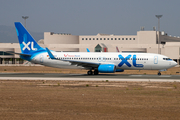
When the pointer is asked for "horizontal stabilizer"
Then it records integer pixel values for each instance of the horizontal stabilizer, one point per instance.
(27, 55)
(50, 54)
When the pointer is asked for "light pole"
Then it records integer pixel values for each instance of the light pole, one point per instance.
(25, 17)
(159, 42)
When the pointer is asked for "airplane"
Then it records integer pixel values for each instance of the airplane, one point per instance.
(117, 49)
(87, 50)
(94, 62)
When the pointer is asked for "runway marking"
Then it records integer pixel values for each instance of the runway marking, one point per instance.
(165, 76)
(150, 76)
(136, 75)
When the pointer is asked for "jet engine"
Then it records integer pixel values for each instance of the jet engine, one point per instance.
(107, 68)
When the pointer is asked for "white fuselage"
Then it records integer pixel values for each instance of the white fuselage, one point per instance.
(134, 61)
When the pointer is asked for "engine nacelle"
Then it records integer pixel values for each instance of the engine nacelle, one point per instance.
(119, 70)
(107, 68)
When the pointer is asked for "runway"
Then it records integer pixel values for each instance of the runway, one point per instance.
(85, 77)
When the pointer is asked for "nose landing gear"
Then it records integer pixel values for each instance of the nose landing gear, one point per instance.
(159, 73)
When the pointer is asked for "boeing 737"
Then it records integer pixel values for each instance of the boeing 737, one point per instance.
(94, 62)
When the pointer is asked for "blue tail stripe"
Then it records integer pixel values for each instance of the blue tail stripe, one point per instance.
(87, 50)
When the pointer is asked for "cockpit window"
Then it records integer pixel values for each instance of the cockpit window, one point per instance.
(167, 59)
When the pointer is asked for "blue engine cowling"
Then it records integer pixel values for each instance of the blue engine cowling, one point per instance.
(119, 70)
(107, 68)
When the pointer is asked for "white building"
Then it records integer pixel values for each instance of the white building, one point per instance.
(144, 41)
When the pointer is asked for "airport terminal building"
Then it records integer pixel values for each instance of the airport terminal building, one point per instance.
(142, 42)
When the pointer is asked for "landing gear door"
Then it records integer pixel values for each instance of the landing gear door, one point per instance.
(155, 59)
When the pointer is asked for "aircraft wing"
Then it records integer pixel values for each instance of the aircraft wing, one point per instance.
(83, 64)
(73, 62)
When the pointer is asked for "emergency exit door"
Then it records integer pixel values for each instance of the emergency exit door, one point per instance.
(155, 59)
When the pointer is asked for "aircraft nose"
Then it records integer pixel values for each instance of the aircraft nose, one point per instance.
(174, 63)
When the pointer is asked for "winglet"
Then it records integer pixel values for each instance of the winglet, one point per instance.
(50, 54)
(87, 50)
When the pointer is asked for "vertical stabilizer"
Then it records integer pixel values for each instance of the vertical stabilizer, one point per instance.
(117, 50)
(27, 43)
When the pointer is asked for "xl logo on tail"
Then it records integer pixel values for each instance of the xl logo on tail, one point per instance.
(26, 46)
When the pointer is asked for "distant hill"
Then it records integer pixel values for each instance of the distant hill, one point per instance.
(8, 35)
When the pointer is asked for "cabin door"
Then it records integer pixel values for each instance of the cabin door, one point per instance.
(41, 59)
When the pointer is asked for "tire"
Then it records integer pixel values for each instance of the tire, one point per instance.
(159, 73)
(89, 72)
(96, 72)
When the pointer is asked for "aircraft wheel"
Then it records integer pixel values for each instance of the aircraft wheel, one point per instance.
(96, 72)
(159, 73)
(89, 72)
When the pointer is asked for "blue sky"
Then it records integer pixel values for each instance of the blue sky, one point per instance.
(89, 17)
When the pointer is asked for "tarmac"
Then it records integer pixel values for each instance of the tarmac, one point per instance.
(85, 77)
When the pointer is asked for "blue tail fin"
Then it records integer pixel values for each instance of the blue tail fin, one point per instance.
(27, 43)
(87, 50)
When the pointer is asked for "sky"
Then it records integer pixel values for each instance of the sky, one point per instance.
(89, 17)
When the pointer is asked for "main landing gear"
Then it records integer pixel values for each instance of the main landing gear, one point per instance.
(96, 72)
(90, 72)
